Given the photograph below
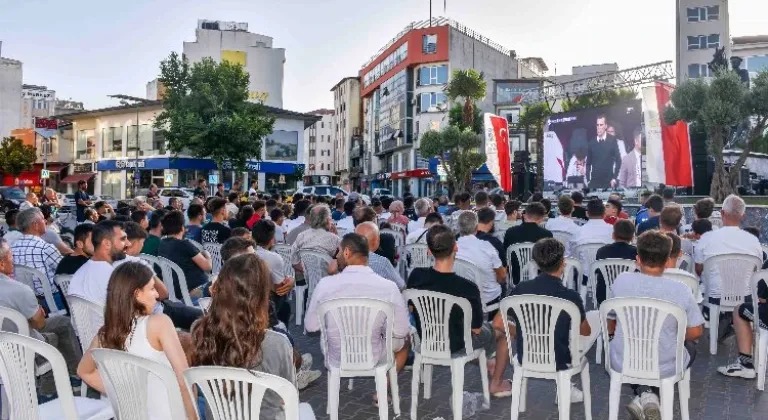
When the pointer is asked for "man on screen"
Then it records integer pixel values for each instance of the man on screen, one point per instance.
(629, 174)
(603, 158)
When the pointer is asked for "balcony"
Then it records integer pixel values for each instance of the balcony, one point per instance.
(392, 145)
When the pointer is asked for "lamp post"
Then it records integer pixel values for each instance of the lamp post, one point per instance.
(127, 100)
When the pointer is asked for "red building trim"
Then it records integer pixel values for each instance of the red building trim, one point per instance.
(415, 54)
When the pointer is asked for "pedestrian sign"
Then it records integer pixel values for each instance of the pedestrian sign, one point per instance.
(45, 174)
(169, 178)
(213, 179)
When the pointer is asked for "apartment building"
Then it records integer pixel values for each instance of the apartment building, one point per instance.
(347, 133)
(702, 26)
(319, 153)
(754, 51)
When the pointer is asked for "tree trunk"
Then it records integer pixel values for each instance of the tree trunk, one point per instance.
(540, 159)
(469, 113)
(721, 186)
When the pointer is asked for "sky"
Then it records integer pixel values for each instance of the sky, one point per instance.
(88, 49)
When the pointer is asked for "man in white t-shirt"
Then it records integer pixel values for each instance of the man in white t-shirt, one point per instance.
(420, 235)
(109, 244)
(564, 222)
(423, 207)
(483, 255)
(730, 239)
(596, 230)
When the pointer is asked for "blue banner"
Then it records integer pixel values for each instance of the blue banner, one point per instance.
(192, 163)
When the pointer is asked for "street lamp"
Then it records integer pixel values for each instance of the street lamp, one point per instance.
(127, 100)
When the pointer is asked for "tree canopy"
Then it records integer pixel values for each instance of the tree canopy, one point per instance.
(470, 86)
(458, 152)
(15, 156)
(207, 113)
(599, 99)
(725, 108)
(456, 118)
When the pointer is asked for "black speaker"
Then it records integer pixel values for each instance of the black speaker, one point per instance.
(703, 168)
(522, 156)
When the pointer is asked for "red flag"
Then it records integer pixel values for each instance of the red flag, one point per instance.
(675, 142)
(497, 150)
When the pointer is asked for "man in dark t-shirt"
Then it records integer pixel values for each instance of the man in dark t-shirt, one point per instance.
(216, 231)
(192, 261)
(528, 231)
(485, 227)
(82, 200)
(623, 232)
(83, 251)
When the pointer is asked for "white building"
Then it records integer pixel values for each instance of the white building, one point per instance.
(702, 26)
(318, 153)
(347, 132)
(754, 51)
(36, 102)
(231, 41)
(10, 95)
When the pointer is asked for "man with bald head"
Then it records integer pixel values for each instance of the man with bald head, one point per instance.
(380, 265)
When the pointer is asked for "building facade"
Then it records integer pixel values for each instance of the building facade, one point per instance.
(36, 102)
(318, 153)
(10, 95)
(111, 151)
(347, 130)
(231, 41)
(402, 97)
(754, 51)
(702, 26)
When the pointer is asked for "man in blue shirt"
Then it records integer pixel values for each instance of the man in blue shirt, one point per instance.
(82, 200)
(655, 205)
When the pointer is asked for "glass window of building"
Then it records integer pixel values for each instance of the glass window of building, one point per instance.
(429, 44)
(430, 102)
(112, 142)
(433, 75)
(386, 64)
(86, 144)
(111, 183)
(146, 144)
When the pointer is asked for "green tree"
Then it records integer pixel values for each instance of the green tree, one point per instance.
(456, 118)
(722, 107)
(532, 121)
(206, 111)
(471, 87)
(15, 156)
(598, 99)
(458, 152)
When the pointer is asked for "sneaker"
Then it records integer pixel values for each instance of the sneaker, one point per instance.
(576, 395)
(306, 377)
(306, 362)
(738, 370)
(635, 409)
(650, 403)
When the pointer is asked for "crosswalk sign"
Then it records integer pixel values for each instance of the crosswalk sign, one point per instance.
(45, 174)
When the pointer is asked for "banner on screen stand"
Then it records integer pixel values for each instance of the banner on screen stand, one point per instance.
(667, 147)
(497, 150)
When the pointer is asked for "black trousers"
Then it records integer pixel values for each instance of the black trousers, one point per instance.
(181, 315)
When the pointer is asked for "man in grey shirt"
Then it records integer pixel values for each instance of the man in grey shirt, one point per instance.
(653, 249)
(264, 237)
(380, 265)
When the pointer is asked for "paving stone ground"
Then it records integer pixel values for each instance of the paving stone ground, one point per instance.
(713, 396)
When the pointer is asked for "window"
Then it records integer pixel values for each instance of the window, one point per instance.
(429, 44)
(698, 70)
(111, 183)
(702, 42)
(430, 101)
(86, 144)
(112, 142)
(386, 64)
(311, 153)
(703, 14)
(433, 75)
(322, 124)
(146, 145)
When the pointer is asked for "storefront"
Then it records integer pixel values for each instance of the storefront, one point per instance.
(30, 181)
(114, 175)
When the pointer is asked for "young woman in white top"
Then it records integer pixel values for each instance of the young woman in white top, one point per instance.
(130, 326)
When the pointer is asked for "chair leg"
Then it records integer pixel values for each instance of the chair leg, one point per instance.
(762, 355)
(299, 293)
(415, 376)
(517, 386)
(484, 378)
(714, 324)
(381, 393)
(599, 349)
(586, 388)
(427, 380)
(524, 395)
(667, 391)
(334, 385)
(457, 382)
(684, 393)
(564, 395)
(6, 409)
(614, 396)
(395, 390)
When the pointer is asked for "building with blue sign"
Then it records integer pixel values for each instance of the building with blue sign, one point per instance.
(112, 151)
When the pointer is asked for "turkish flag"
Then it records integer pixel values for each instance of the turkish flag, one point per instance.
(497, 150)
(675, 143)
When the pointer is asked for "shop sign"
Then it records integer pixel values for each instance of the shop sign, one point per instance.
(129, 163)
(83, 167)
(383, 176)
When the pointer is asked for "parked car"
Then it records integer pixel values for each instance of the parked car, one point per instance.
(184, 194)
(324, 190)
(381, 192)
(11, 198)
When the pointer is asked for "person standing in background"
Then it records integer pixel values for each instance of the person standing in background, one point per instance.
(82, 200)
(629, 174)
(603, 158)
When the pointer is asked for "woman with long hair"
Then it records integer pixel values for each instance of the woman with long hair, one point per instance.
(130, 325)
(235, 330)
(397, 208)
(246, 212)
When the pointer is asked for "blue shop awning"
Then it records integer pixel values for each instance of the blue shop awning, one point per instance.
(482, 174)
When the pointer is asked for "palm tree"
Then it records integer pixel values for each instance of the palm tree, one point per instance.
(470, 86)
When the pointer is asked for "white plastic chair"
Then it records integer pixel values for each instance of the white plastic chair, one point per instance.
(717, 222)
(468, 270)
(285, 251)
(126, 379)
(22, 327)
(417, 256)
(641, 321)
(523, 252)
(169, 268)
(434, 310)
(760, 352)
(237, 394)
(685, 262)
(215, 251)
(562, 236)
(735, 272)
(204, 303)
(17, 367)
(586, 253)
(399, 228)
(357, 321)
(688, 279)
(340, 231)
(315, 268)
(765, 252)
(28, 275)
(87, 318)
(537, 317)
(62, 282)
(197, 245)
(609, 269)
